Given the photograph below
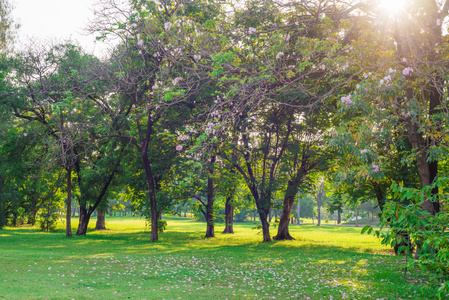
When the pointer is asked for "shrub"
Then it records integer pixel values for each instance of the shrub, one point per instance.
(161, 225)
(408, 227)
(48, 221)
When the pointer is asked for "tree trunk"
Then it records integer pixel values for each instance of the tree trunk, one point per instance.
(210, 229)
(152, 196)
(299, 213)
(289, 200)
(265, 225)
(32, 216)
(318, 204)
(426, 171)
(357, 217)
(84, 219)
(68, 229)
(101, 219)
(338, 217)
(229, 215)
(210, 200)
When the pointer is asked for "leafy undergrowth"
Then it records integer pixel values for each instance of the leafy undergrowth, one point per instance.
(327, 262)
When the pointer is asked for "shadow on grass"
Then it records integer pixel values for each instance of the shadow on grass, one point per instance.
(345, 267)
(246, 244)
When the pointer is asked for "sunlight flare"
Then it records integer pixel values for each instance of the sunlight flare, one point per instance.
(392, 6)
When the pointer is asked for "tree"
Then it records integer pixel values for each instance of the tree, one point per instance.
(307, 155)
(319, 202)
(229, 190)
(53, 92)
(405, 79)
(152, 65)
(7, 25)
(283, 58)
(335, 204)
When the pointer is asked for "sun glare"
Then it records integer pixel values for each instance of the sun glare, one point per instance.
(392, 6)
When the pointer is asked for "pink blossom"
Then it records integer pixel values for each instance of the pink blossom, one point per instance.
(407, 71)
(406, 115)
(25, 134)
(176, 80)
(210, 128)
(167, 26)
(347, 100)
(179, 147)
(279, 55)
(376, 168)
(251, 30)
(364, 151)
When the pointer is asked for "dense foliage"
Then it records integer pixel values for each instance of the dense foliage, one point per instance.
(246, 106)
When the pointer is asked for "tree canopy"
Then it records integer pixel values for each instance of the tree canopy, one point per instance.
(202, 102)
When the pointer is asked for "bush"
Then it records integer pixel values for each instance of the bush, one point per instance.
(48, 221)
(408, 227)
(161, 225)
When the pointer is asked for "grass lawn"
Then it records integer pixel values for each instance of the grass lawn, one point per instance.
(327, 262)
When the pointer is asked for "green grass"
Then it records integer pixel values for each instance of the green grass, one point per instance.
(323, 262)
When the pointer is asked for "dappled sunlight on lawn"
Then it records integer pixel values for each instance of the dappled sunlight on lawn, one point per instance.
(121, 262)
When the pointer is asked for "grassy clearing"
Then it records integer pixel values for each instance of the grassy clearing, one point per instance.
(327, 262)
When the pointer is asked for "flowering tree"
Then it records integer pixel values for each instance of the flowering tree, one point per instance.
(401, 91)
(158, 49)
(396, 119)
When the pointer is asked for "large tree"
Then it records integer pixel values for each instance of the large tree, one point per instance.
(155, 65)
(54, 91)
(8, 26)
